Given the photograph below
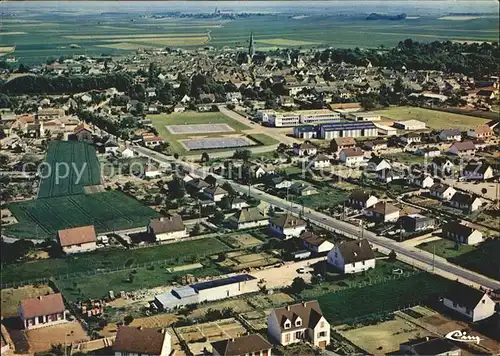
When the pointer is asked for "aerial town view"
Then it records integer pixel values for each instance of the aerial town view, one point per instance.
(250, 178)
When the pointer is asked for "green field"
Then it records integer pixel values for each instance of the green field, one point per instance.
(326, 197)
(483, 259)
(446, 248)
(69, 166)
(434, 119)
(107, 211)
(111, 259)
(382, 298)
(163, 120)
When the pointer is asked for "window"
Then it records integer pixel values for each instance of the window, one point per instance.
(287, 337)
(298, 335)
(483, 301)
(322, 324)
(322, 334)
(287, 325)
(298, 322)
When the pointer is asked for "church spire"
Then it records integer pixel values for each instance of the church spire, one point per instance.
(251, 47)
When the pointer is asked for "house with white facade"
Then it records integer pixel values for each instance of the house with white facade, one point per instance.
(152, 141)
(352, 256)
(450, 135)
(477, 170)
(465, 202)
(296, 323)
(383, 211)
(442, 191)
(421, 180)
(462, 234)
(167, 228)
(441, 165)
(465, 148)
(320, 161)
(286, 226)
(376, 164)
(125, 152)
(351, 157)
(215, 193)
(428, 152)
(77, 239)
(315, 243)
(470, 302)
(360, 199)
(305, 149)
(137, 340)
(247, 218)
(43, 311)
(410, 138)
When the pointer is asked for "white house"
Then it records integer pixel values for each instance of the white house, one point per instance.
(465, 202)
(298, 323)
(125, 152)
(314, 243)
(167, 228)
(411, 137)
(320, 161)
(376, 164)
(248, 218)
(351, 157)
(305, 149)
(441, 164)
(361, 200)
(215, 193)
(287, 226)
(428, 152)
(476, 305)
(137, 340)
(477, 170)
(450, 135)
(383, 211)
(352, 256)
(462, 234)
(152, 141)
(421, 180)
(442, 191)
(43, 311)
(77, 239)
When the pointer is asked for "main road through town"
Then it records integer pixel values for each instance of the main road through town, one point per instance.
(411, 255)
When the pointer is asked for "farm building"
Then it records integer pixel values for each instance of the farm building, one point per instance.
(462, 234)
(77, 239)
(347, 129)
(298, 323)
(253, 344)
(43, 311)
(287, 226)
(248, 218)
(410, 125)
(474, 304)
(352, 256)
(206, 291)
(167, 228)
(131, 340)
(386, 130)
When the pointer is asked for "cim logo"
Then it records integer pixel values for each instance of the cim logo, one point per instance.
(461, 336)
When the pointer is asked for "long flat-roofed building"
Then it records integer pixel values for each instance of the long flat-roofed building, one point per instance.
(347, 129)
(300, 117)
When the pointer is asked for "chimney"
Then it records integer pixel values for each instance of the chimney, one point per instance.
(232, 340)
(304, 304)
(162, 218)
(40, 297)
(359, 243)
(288, 307)
(139, 327)
(163, 330)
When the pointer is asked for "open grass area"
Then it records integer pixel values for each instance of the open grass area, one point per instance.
(382, 298)
(433, 119)
(107, 211)
(87, 264)
(446, 248)
(161, 122)
(263, 139)
(325, 197)
(70, 166)
(483, 259)
(12, 296)
(407, 158)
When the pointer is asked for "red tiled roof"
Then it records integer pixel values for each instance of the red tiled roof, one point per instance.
(139, 340)
(77, 235)
(44, 305)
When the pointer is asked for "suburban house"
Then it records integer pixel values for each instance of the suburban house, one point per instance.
(351, 156)
(125, 152)
(361, 199)
(152, 141)
(473, 303)
(465, 148)
(43, 311)
(254, 345)
(411, 137)
(137, 340)
(320, 161)
(462, 234)
(441, 165)
(417, 222)
(422, 180)
(383, 211)
(465, 202)
(83, 133)
(477, 170)
(480, 132)
(315, 243)
(340, 143)
(305, 149)
(287, 226)
(298, 323)
(301, 189)
(428, 152)
(215, 193)
(167, 228)
(352, 256)
(238, 203)
(387, 175)
(178, 108)
(429, 346)
(376, 164)
(442, 191)
(375, 145)
(77, 239)
(450, 135)
(247, 218)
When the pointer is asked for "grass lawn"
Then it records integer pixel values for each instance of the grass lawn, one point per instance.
(433, 119)
(174, 254)
(407, 158)
(326, 197)
(483, 259)
(161, 121)
(382, 298)
(263, 139)
(446, 248)
(12, 296)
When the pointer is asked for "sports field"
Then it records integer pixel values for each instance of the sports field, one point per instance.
(69, 166)
(434, 119)
(107, 211)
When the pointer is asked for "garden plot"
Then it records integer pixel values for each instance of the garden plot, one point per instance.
(237, 261)
(198, 337)
(243, 241)
(210, 143)
(198, 128)
(12, 296)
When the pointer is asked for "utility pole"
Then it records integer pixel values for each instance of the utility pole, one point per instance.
(433, 258)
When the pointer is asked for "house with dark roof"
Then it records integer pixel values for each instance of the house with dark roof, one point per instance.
(383, 211)
(429, 346)
(428, 152)
(296, 323)
(301, 189)
(465, 148)
(477, 170)
(465, 202)
(137, 340)
(167, 228)
(440, 165)
(410, 137)
(473, 303)
(319, 161)
(417, 222)
(77, 239)
(352, 256)
(387, 175)
(442, 191)
(376, 164)
(422, 180)
(215, 193)
(315, 243)
(43, 311)
(253, 344)
(462, 233)
(247, 218)
(360, 199)
(450, 135)
(286, 226)
(305, 149)
(375, 145)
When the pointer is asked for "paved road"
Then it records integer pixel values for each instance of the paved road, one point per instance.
(414, 256)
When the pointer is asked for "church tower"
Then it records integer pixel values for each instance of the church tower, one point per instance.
(251, 47)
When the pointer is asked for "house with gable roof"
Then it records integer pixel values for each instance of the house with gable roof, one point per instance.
(473, 303)
(352, 256)
(247, 218)
(137, 340)
(77, 239)
(287, 226)
(167, 228)
(253, 344)
(43, 311)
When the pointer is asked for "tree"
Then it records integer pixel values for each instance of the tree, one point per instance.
(176, 188)
(298, 285)
(392, 256)
(229, 188)
(128, 319)
(196, 229)
(242, 154)
(218, 217)
(205, 157)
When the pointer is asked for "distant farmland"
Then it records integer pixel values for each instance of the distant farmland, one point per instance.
(68, 159)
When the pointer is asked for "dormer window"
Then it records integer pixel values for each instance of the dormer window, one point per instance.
(298, 322)
(287, 324)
